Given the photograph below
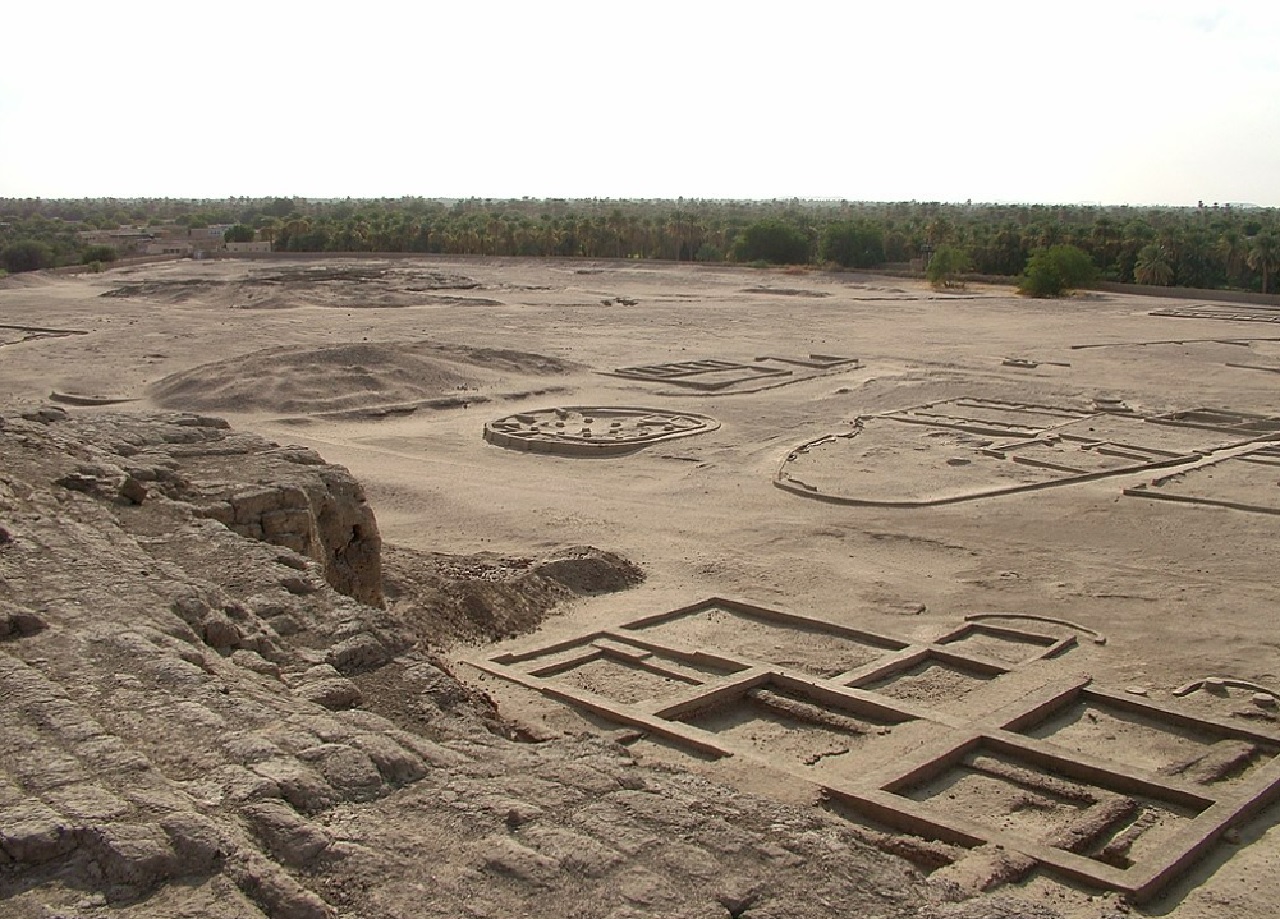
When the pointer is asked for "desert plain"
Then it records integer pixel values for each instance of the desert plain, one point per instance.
(861, 454)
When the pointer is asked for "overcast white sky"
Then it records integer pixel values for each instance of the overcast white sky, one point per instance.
(1120, 102)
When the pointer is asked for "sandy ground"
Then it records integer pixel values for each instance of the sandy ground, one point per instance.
(1181, 591)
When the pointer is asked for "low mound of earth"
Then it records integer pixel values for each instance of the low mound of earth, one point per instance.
(448, 599)
(346, 377)
(785, 291)
(196, 723)
(24, 280)
(346, 286)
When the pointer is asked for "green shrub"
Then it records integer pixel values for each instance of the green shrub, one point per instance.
(1053, 271)
(708, 253)
(946, 265)
(26, 255)
(774, 241)
(853, 244)
(98, 254)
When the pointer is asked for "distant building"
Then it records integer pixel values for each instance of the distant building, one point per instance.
(170, 239)
(198, 242)
(125, 240)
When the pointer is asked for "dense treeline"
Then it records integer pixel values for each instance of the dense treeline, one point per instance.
(1207, 246)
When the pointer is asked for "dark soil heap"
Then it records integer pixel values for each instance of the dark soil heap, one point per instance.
(344, 377)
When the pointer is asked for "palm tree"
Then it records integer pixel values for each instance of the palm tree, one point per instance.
(269, 230)
(1231, 249)
(1152, 266)
(938, 231)
(290, 235)
(1264, 256)
(1049, 233)
(550, 235)
(1137, 235)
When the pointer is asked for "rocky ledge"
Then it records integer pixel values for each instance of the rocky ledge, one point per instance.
(205, 710)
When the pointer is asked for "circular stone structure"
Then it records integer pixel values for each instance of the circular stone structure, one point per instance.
(591, 430)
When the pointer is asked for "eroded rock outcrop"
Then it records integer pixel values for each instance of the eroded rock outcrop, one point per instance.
(195, 724)
(287, 496)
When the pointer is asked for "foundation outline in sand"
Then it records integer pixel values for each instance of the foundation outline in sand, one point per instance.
(1226, 421)
(721, 701)
(37, 333)
(579, 430)
(69, 398)
(1232, 313)
(1023, 428)
(1262, 464)
(695, 378)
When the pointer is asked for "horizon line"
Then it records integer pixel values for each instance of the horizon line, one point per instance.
(816, 199)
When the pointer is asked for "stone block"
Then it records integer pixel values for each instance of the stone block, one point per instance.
(502, 855)
(249, 747)
(293, 520)
(250, 503)
(21, 624)
(284, 625)
(198, 843)
(290, 838)
(334, 694)
(32, 833)
(233, 783)
(251, 660)
(108, 755)
(430, 752)
(396, 765)
(359, 652)
(190, 608)
(344, 767)
(300, 585)
(299, 784)
(132, 491)
(87, 802)
(44, 769)
(278, 895)
(327, 728)
(221, 633)
(298, 543)
(138, 855)
(220, 511)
